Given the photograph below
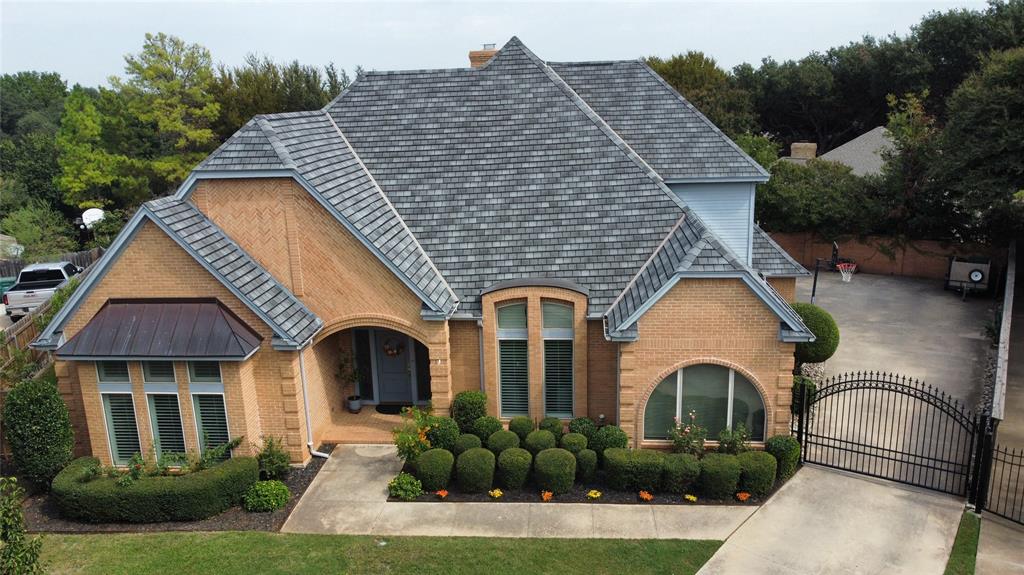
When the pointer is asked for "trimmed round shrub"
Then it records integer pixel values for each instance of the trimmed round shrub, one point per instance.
(757, 472)
(501, 440)
(467, 407)
(616, 464)
(443, 433)
(554, 470)
(825, 330)
(719, 475)
(405, 487)
(264, 496)
(552, 424)
(521, 426)
(574, 442)
(584, 426)
(38, 430)
(434, 468)
(786, 450)
(514, 467)
(465, 442)
(82, 495)
(586, 465)
(679, 473)
(645, 469)
(539, 440)
(484, 426)
(606, 437)
(475, 470)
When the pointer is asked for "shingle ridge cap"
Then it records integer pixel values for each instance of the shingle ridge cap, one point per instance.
(279, 148)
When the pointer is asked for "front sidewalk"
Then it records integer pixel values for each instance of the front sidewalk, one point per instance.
(349, 496)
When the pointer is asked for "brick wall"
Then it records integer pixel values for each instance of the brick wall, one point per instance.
(602, 373)
(785, 286)
(465, 349)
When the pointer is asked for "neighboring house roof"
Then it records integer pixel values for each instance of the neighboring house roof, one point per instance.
(771, 260)
(862, 154)
(171, 329)
(291, 321)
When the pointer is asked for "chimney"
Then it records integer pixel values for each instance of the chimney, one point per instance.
(803, 150)
(478, 58)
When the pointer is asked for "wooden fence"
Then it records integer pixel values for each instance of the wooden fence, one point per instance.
(11, 268)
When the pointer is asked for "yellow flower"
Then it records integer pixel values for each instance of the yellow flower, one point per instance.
(495, 493)
(690, 498)
(593, 494)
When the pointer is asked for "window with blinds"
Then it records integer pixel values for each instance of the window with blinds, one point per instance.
(112, 371)
(558, 360)
(204, 371)
(122, 431)
(211, 420)
(158, 371)
(513, 373)
(165, 416)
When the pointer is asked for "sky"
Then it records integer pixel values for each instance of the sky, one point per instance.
(86, 41)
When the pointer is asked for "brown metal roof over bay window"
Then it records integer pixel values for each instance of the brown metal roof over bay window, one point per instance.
(196, 329)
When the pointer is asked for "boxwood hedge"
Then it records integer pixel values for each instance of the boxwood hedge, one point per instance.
(554, 470)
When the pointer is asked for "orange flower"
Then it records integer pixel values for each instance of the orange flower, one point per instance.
(441, 493)
(546, 495)
(742, 496)
(645, 496)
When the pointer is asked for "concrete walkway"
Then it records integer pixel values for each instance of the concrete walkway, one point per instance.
(824, 521)
(1000, 548)
(349, 496)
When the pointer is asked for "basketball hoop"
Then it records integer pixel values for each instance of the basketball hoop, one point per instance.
(847, 270)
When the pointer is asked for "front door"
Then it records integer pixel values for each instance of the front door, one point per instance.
(394, 366)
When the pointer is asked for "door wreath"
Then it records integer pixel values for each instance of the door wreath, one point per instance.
(393, 347)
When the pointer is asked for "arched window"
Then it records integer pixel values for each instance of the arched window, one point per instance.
(720, 397)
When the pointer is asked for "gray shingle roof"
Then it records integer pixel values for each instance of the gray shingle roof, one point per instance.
(771, 260)
(662, 126)
(291, 321)
(862, 154)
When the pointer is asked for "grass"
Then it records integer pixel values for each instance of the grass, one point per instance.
(965, 547)
(238, 552)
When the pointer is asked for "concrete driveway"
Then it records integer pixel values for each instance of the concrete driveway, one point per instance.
(824, 521)
(908, 326)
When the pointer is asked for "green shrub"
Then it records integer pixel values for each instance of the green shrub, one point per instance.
(680, 472)
(645, 469)
(786, 450)
(464, 442)
(539, 440)
(719, 475)
(606, 437)
(806, 383)
(586, 465)
(264, 496)
(757, 472)
(80, 493)
(574, 442)
(521, 426)
(733, 441)
(616, 464)
(584, 426)
(20, 553)
(825, 330)
(552, 424)
(273, 459)
(434, 468)
(501, 440)
(443, 433)
(554, 470)
(405, 487)
(38, 430)
(474, 470)
(485, 426)
(514, 467)
(467, 407)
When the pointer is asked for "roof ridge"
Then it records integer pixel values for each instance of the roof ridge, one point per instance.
(279, 147)
(650, 259)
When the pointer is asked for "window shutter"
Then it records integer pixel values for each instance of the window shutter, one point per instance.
(158, 371)
(205, 371)
(558, 378)
(166, 415)
(121, 428)
(513, 377)
(113, 371)
(211, 420)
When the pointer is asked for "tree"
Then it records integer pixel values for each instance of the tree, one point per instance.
(32, 101)
(762, 148)
(31, 160)
(38, 429)
(711, 89)
(42, 230)
(19, 553)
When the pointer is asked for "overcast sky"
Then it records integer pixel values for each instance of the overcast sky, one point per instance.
(86, 41)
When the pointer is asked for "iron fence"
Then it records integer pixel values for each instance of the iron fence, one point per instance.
(1006, 484)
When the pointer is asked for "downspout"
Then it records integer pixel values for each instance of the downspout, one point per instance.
(480, 324)
(305, 401)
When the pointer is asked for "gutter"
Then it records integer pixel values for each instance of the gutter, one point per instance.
(305, 401)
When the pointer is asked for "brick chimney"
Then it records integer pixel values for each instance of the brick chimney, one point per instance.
(803, 150)
(478, 58)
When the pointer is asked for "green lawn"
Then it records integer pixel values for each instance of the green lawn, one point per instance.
(252, 552)
(965, 547)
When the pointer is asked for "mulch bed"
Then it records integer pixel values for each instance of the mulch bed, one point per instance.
(42, 516)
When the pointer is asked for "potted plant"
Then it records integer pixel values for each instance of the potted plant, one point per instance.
(349, 375)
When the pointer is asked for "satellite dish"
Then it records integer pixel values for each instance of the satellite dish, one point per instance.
(91, 216)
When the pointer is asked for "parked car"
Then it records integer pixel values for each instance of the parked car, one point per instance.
(36, 284)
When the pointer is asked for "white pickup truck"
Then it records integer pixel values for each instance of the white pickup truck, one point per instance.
(36, 284)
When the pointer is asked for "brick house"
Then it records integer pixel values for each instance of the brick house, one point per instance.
(575, 239)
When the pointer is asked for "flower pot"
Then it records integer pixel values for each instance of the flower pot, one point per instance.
(355, 403)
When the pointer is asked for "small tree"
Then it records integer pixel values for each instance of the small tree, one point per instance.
(19, 553)
(826, 335)
(38, 429)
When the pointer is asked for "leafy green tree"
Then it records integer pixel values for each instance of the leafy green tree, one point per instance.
(43, 231)
(32, 101)
(19, 553)
(708, 87)
(31, 160)
(762, 148)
